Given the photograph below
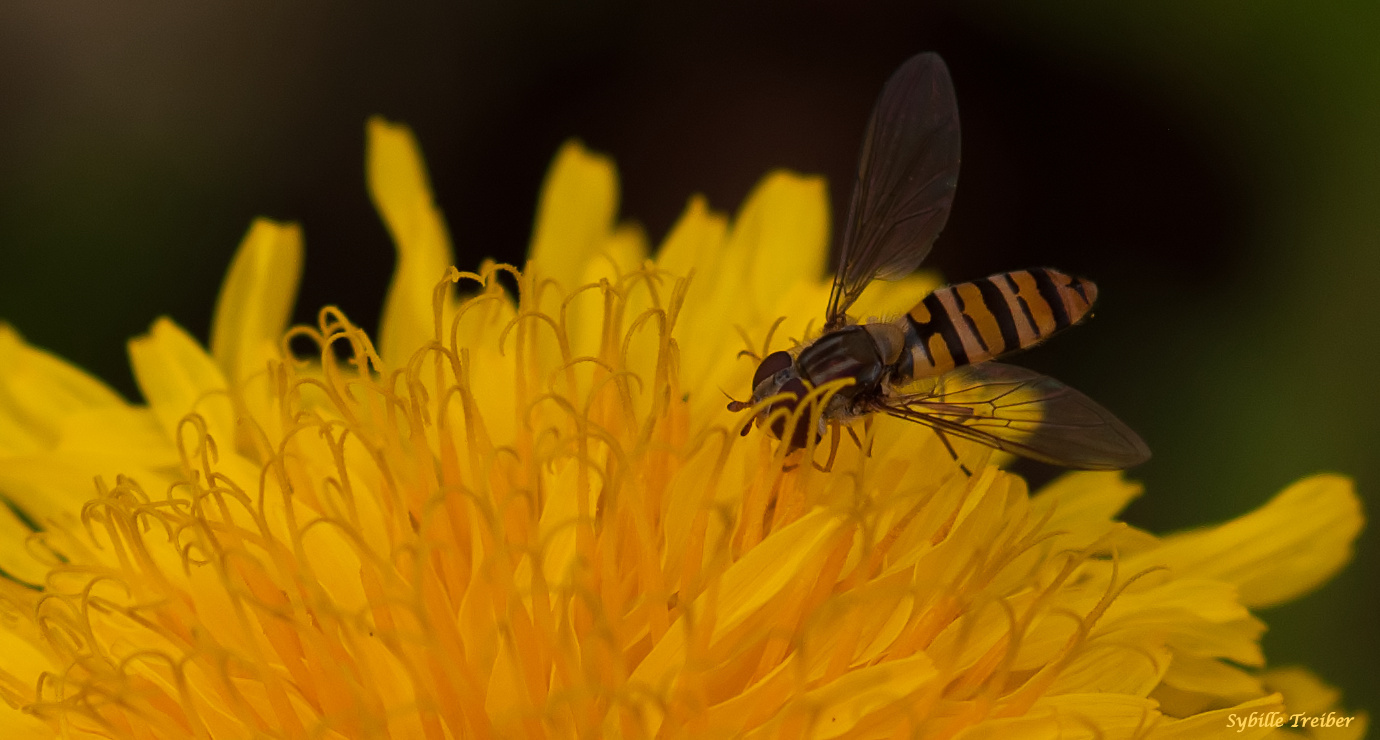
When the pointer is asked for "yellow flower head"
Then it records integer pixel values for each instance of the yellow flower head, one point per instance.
(532, 516)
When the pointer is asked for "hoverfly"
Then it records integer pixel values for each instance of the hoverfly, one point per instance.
(933, 364)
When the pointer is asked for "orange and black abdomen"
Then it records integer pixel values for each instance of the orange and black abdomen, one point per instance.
(972, 322)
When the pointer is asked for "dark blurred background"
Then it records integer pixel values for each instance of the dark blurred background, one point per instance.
(1215, 167)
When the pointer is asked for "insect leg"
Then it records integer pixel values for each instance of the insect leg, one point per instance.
(833, 449)
(856, 441)
(948, 446)
(747, 340)
(866, 448)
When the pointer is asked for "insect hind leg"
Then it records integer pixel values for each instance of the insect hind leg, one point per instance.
(833, 448)
(953, 453)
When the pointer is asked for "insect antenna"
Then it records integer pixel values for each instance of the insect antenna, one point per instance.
(735, 406)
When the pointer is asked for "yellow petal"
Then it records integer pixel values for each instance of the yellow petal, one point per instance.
(38, 391)
(1108, 716)
(1241, 721)
(401, 191)
(256, 299)
(695, 248)
(16, 724)
(694, 242)
(767, 569)
(771, 265)
(558, 523)
(1083, 504)
(129, 433)
(1303, 691)
(177, 378)
(1115, 667)
(1211, 677)
(1085, 497)
(1207, 601)
(23, 665)
(1283, 549)
(53, 486)
(575, 213)
(782, 232)
(506, 694)
(1030, 726)
(621, 251)
(772, 566)
(1196, 617)
(16, 561)
(844, 702)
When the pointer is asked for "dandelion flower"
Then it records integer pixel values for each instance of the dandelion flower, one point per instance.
(530, 515)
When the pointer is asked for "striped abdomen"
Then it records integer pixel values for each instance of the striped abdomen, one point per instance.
(972, 322)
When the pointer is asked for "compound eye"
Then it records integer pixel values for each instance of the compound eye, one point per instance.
(773, 364)
(802, 434)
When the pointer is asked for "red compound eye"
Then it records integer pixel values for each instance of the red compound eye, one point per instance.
(773, 364)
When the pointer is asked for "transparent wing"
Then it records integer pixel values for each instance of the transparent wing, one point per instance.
(1025, 413)
(906, 177)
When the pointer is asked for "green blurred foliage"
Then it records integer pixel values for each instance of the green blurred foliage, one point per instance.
(1275, 371)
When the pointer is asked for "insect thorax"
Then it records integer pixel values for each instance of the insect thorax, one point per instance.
(850, 352)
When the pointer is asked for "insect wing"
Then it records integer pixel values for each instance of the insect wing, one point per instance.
(1025, 413)
(906, 177)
